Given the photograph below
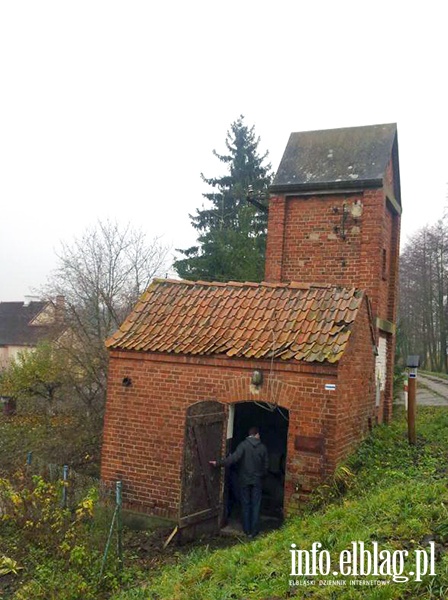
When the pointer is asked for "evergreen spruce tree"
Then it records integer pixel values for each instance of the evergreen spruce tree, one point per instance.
(232, 231)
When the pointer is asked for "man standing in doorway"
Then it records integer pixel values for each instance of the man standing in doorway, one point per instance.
(252, 457)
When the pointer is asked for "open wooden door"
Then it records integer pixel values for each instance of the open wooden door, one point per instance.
(201, 494)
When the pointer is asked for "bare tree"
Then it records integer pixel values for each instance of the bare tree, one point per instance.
(424, 294)
(101, 275)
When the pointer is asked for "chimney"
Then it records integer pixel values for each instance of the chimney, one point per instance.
(60, 309)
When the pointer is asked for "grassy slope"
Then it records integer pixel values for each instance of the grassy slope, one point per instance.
(398, 497)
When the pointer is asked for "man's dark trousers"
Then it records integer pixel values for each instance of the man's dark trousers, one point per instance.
(250, 505)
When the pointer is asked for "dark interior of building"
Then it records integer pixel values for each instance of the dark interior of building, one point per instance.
(273, 425)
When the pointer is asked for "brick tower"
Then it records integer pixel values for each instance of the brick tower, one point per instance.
(334, 217)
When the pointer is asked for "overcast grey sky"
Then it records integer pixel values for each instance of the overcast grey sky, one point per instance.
(112, 109)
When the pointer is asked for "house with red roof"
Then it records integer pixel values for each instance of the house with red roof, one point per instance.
(307, 355)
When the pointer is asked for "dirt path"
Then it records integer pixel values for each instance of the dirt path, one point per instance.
(432, 390)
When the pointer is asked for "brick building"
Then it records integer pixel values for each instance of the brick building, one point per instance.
(307, 354)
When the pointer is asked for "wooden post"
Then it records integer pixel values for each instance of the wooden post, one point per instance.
(412, 386)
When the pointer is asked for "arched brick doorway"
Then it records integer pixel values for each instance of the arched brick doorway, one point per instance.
(273, 421)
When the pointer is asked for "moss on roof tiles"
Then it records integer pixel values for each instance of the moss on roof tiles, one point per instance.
(243, 320)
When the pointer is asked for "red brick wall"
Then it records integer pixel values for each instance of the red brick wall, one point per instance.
(275, 248)
(392, 309)
(356, 388)
(304, 246)
(144, 424)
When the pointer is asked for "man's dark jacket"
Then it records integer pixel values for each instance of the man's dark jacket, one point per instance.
(252, 457)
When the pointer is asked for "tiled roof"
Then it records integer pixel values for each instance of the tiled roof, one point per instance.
(15, 323)
(247, 320)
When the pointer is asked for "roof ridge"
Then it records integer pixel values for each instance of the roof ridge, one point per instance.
(348, 127)
(253, 284)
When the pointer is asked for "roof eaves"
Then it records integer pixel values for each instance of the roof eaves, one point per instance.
(326, 186)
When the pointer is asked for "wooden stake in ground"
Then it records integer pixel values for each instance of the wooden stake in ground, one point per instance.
(170, 537)
(413, 363)
(412, 405)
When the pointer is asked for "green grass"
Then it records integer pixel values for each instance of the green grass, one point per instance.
(387, 492)
(398, 497)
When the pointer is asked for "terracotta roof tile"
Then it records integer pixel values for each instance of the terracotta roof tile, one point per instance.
(266, 320)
